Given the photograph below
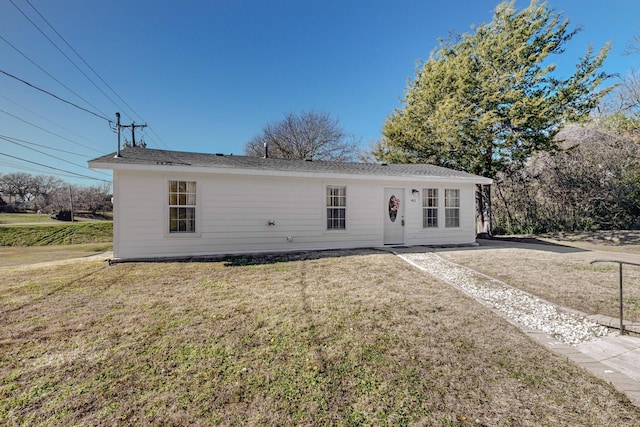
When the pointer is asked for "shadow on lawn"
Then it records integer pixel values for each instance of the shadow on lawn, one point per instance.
(529, 242)
(600, 237)
(501, 243)
(261, 259)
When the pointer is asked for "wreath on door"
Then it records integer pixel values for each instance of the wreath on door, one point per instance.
(394, 206)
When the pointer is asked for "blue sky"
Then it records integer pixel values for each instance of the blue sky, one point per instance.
(208, 75)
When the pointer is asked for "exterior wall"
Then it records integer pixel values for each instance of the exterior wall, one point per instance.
(415, 234)
(233, 213)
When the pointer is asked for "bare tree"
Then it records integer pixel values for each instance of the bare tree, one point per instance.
(50, 194)
(18, 184)
(45, 188)
(592, 182)
(95, 198)
(309, 135)
(634, 46)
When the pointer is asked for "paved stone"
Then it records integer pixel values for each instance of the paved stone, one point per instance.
(621, 353)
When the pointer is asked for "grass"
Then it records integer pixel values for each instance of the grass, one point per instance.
(24, 218)
(285, 342)
(567, 279)
(21, 255)
(56, 234)
(32, 218)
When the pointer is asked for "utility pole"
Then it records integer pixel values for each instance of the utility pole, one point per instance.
(118, 131)
(71, 200)
(133, 127)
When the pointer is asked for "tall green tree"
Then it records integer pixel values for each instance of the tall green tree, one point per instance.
(488, 99)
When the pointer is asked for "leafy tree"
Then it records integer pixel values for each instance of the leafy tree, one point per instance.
(487, 100)
(309, 135)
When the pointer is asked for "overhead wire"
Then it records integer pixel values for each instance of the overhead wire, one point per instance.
(51, 76)
(85, 62)
(96, 73)
(23, 167)
(98, 114)
(44, 146)
(46, 119)
(48, 131)
(58, 169)
(63, 54)
(47, 154)
(55, 96)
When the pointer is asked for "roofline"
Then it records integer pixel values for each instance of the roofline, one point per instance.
(280, 173)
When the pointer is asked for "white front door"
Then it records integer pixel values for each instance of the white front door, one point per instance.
(393, 211)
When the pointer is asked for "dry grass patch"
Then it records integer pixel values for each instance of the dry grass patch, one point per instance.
(56, 234)
(20, 255)
(621, 241)
(567, 279)
(356, 339)
(25, 218)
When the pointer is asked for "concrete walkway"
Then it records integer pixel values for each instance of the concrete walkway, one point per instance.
(614, 358)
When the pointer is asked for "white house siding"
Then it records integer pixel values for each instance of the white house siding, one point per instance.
(233, 214)
(415, 234)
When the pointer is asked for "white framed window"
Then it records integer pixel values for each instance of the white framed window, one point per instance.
(429, 208)
(451, 208)
(182, 206)
(336, 202)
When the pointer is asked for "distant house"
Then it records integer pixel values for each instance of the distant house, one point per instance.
(171, 203)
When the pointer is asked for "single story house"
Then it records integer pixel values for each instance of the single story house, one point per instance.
(172, 204)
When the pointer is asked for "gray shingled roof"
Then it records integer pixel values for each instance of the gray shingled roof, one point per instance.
(148, 157)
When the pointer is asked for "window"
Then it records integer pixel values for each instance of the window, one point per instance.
(182, 207)
(429, 207)
(452, 208)
(336, 207)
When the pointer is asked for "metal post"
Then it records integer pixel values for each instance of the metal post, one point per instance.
(619, 282)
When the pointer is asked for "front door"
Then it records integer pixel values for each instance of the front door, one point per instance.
(393, 211)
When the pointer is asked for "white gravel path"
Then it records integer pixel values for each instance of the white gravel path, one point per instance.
(517, 305)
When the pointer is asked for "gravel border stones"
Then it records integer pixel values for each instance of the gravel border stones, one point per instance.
(519, 306)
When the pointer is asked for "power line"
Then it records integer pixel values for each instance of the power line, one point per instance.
(23, 167)
(47, 154)
(34, 169)
(48, 131)
(49, 121)
(55, 96)
(58, 169)
(43, 146)
(48, 74)
(159, 139)
(96, 73)
(101, 115)
(63, 54)
(85, 62)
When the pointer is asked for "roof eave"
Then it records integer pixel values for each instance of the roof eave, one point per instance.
(281, 173)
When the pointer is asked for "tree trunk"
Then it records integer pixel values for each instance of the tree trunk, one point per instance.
(483, 211)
